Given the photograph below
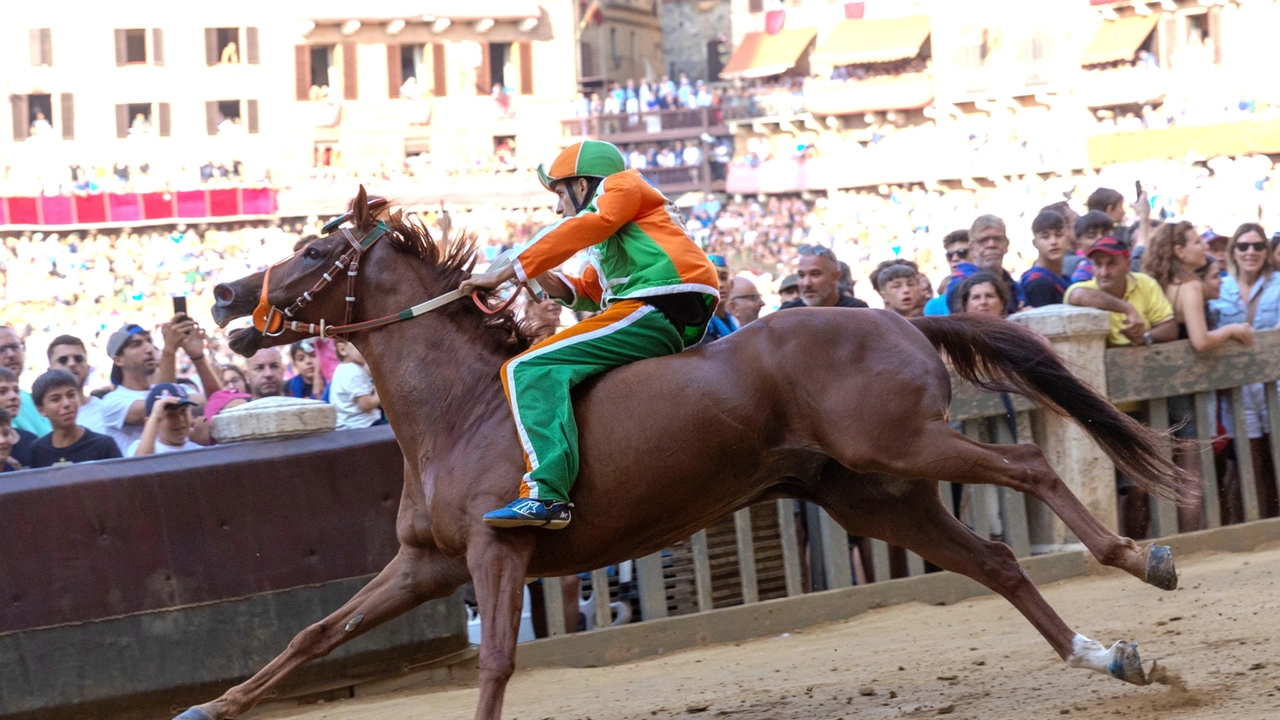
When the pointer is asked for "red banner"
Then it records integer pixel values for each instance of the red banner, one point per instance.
(129, 208)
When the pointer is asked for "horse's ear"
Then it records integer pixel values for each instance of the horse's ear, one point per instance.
(360, 215)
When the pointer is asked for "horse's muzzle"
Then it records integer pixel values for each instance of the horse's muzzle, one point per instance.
(232, 300)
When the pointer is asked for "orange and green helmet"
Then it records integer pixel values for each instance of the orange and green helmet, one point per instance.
(589, 158)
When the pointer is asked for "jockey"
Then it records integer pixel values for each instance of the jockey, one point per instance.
(657, 291)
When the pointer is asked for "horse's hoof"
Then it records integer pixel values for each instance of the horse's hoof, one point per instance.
(1125, 663)
(194, 713)
(1160, 570)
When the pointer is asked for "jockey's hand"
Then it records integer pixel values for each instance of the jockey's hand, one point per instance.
(487, 281)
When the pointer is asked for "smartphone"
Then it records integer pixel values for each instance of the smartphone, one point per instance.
(179, 304)
(1137, 187)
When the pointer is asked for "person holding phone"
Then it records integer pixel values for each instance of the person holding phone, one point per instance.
(181, 332)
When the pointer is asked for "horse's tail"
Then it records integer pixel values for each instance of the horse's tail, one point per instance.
(1001, 356)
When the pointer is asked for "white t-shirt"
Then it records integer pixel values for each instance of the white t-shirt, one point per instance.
(161, 447)
(115, 408)
(349, 382)
(90, 416)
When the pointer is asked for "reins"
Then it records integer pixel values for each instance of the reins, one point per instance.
(271, 321)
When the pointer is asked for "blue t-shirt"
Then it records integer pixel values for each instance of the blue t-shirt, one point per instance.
(1042, 286)
(718, 328)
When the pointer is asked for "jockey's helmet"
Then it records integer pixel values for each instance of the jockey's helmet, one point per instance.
(589, 159)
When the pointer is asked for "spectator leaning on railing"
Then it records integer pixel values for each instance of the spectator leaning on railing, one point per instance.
(1251, 294)
(1140, 313)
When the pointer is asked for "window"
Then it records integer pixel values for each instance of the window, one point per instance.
(501, 70)
(321, 62)
(231, 117)
(135, 46)
(41, 42)
(226, 46)
(409, 71)
(227, 42)
(40, 115)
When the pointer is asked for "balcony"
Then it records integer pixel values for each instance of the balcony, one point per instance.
(1123, 86)
(707, 177)
(647, 127)
(902, 92)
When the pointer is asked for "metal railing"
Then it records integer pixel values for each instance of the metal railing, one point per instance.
(692, 120)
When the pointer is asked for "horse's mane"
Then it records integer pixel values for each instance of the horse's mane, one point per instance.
(452, 258)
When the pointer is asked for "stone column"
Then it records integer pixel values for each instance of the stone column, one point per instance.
(1079, 336)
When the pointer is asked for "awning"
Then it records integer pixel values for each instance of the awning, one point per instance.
(853, 42)
(1118, 39)
(762, 55)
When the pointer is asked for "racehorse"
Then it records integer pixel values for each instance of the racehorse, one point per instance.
(843, 408)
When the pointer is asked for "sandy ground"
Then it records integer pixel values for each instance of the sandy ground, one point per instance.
(1219, 633)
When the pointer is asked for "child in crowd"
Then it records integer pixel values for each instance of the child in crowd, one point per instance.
(8, 438)
(10, 402)
(1044, 284)
(57, 396)
(352, 391)
(307, 381)
(168, 422)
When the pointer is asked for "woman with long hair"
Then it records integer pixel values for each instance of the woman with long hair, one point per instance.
(1173, 258)
(1176, 257)
(1251, 295)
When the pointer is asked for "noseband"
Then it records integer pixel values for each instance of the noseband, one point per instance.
(271, 321)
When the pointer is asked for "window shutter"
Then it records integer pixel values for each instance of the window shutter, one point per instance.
(211, 117)
(439, 86)
(526, 68)
(1169, 39)
(350, 88)
(755, 6)
(1215, 33)
(122, 121)
(482, 72)
(67, 105)
(211, 56)
(394, 71)
(21, 117)
(33, 47)
(251, 46)
(157, 47)
(122, 53)
(302, 71)
(251, 109)
(163, 120)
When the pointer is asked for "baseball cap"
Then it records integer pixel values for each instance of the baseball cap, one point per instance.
(119, 338)
(718, 261)
(1110, 246)
(164, 390)
(788, 282)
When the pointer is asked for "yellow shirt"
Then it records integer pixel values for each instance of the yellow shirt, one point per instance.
(1144, 294)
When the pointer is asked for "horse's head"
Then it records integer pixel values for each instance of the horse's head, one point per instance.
(315, 277)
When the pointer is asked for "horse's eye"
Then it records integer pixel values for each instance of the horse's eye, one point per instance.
(312, 253)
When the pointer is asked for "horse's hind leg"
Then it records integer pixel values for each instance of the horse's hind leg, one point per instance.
(941, 453)
(917, 521)
(413, 577)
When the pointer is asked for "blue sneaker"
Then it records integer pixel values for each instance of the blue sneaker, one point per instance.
(530, 513)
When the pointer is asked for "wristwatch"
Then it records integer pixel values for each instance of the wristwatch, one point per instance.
(1147, 339)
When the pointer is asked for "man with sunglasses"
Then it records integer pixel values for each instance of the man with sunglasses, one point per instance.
(67, 352)
(13, 356)
(956, 246)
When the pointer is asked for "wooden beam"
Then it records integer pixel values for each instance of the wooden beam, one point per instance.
(701, 569)
(553, 602)
(1244, 457)
(790, 547)
(1273, 412)
(746, 555)
(879, 561)
(600, 592)
(653, 586)
(969, 403)
(1168, 369)
(1164, 514)
(835, 552)
(1208, 469)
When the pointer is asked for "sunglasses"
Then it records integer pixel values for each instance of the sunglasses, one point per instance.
(818, 251)
(1260, 246)
(961, 254)
(68, 359)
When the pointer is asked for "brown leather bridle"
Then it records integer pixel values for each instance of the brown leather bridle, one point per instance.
(271, 321)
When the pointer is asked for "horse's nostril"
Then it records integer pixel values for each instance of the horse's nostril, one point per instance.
(223, 294)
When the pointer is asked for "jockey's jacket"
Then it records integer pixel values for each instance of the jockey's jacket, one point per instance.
(636, 245)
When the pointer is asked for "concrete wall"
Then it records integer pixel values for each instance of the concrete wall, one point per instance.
(687, 27)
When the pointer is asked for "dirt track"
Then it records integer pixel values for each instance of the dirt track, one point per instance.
(979, 659)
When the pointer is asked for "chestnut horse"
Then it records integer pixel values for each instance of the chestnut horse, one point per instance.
(843, 408)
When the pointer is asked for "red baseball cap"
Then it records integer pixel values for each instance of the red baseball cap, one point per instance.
(1109, 245)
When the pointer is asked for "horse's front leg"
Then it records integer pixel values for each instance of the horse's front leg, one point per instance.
(414, 576)
(498, 560)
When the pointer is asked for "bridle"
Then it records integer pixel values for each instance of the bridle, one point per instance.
(272, 322)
